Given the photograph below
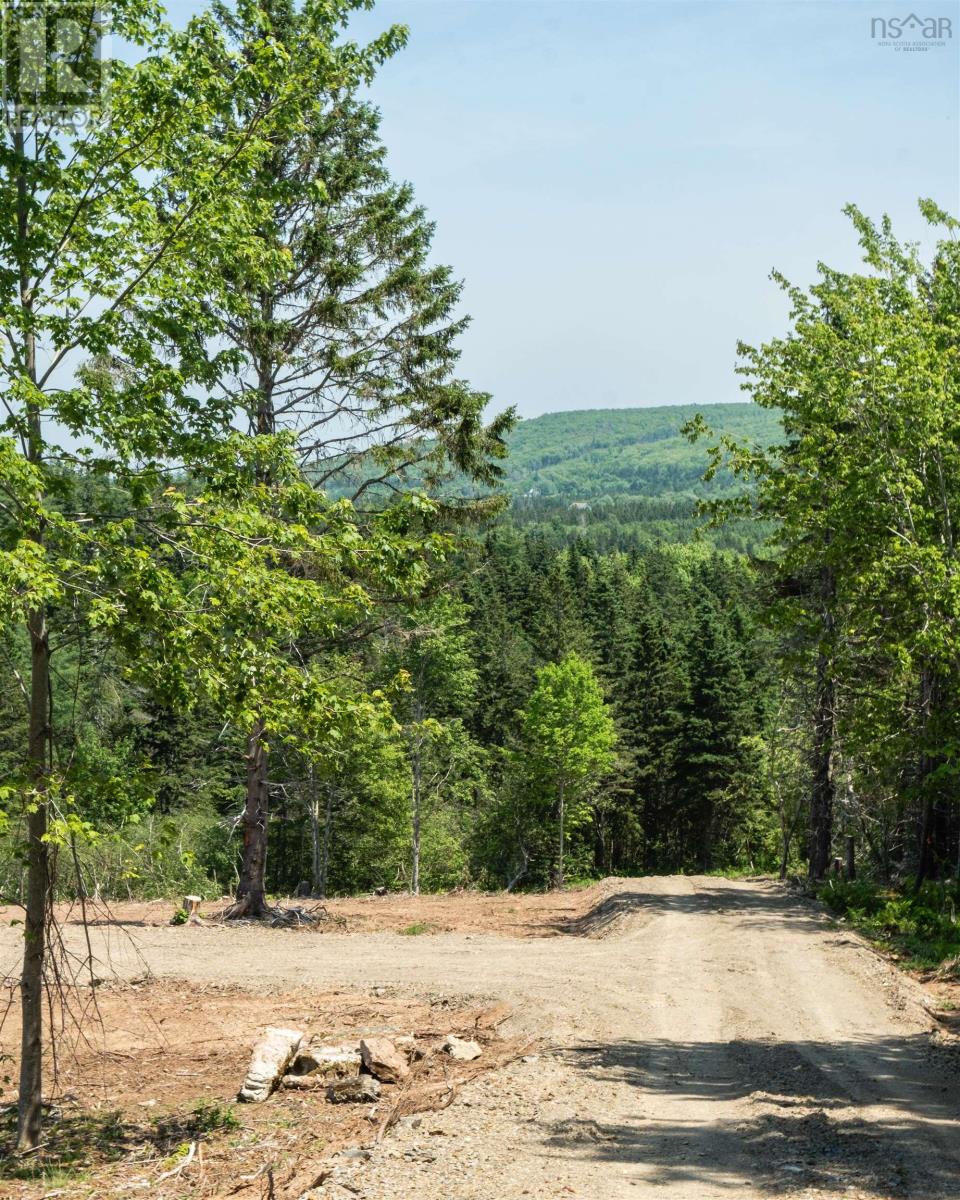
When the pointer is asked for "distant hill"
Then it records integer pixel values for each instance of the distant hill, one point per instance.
(625, 451)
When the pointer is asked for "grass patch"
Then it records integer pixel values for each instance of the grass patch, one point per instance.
(70, 1146)
(417, 928)
(922, 930)
(73, 1145)
(206, 1117)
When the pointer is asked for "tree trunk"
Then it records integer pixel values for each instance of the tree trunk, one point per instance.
(30, 1103)
(251, 888)
(251, 892)
(822, 791)
(521, 870)
(930, 851)
(313, 810)
(706, 842)
(825, 724)
(417, 786)
(561, 840)
(38, 893)
(784, 853)
(327, 831)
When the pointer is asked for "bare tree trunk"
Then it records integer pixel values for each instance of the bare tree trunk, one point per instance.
(38, 893)
(417, 799)
(562, 814)
(251, 894)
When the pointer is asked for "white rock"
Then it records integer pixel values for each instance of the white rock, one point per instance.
(271, 1057)
(332, 1062)
(460, 1049)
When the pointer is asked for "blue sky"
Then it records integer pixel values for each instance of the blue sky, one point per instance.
(615, 180)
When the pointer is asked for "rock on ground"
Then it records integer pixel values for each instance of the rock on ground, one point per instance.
(271, 1057)
(381, 1058)
(331, 1062)
(358, 1089)
(461, 1050)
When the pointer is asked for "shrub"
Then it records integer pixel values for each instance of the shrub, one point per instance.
(923, 927)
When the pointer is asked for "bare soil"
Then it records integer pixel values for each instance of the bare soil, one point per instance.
(681, 1037)
(463, 911)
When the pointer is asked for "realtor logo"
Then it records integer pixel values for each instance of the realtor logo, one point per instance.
(54, 70)
(913, 32)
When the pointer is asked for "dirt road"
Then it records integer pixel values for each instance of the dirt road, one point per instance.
(707, 1038)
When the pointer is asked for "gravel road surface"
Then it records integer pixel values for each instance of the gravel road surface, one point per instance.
(703, 1038)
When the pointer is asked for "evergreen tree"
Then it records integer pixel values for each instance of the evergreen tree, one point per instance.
(651, 697)
(717, 720)
(350, 344)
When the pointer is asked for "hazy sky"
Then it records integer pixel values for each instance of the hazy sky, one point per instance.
(614, 180)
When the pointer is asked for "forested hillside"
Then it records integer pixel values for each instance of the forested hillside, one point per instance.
(628, 479)
(671, 645)
(609, 452)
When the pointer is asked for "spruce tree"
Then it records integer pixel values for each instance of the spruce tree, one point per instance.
(716, 720)
(350, 345)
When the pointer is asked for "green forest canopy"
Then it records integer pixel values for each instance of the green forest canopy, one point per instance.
(613, 452)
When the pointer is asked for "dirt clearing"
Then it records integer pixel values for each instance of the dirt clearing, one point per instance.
(710, 1038)
(548, 915)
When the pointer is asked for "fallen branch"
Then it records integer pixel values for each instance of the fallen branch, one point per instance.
(180, 1166)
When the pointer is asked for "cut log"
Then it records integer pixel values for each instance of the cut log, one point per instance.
(191, 906)
(271, 1057)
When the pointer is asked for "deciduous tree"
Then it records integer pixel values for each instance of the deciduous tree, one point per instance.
(568, 739)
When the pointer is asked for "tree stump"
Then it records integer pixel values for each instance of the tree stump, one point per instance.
(191, 906)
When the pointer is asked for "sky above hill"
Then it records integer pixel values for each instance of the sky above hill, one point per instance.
(615, 179)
